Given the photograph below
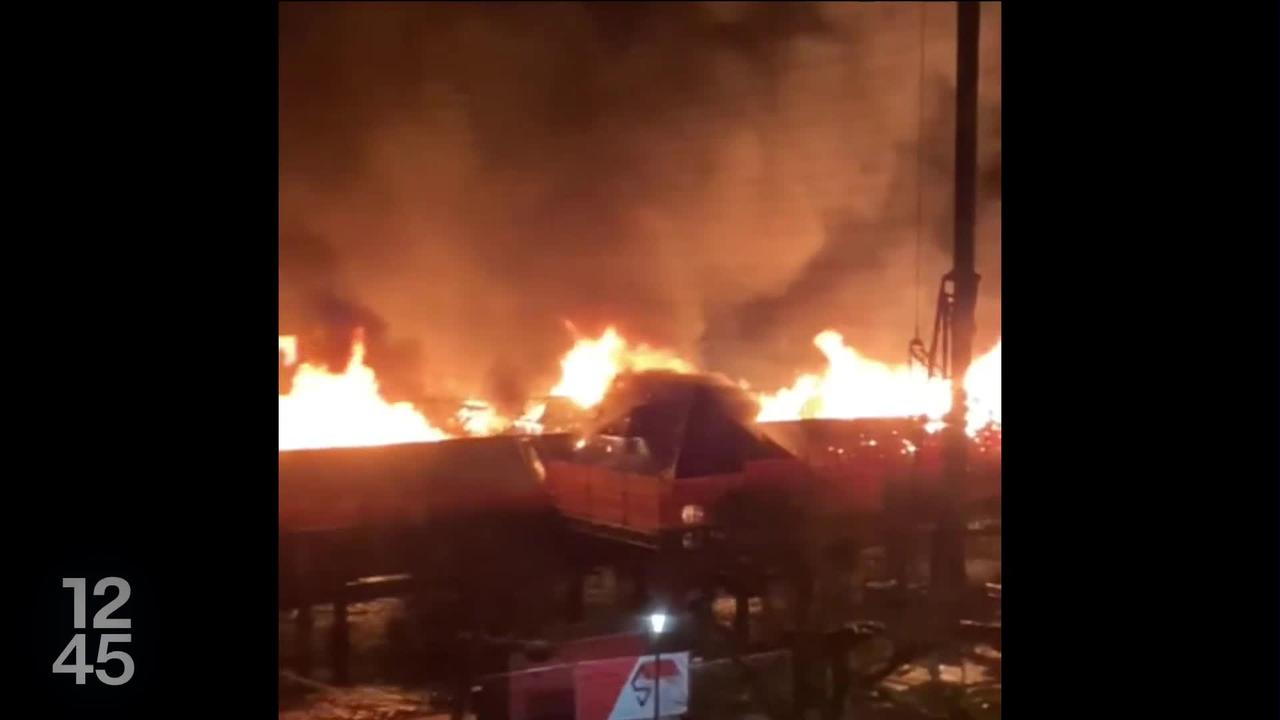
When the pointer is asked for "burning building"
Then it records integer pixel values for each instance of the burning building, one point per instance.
(731, 199)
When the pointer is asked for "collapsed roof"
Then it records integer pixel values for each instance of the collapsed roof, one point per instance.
(676, 425)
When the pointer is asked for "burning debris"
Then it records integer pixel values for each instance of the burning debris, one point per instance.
(324, 408)
(853, 386)
(479, 418)
(592, 364)
(344, 409)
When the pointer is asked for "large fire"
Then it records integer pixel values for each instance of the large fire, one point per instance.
(327, 409)
(479, 418)
(588, 369)
(853, 386)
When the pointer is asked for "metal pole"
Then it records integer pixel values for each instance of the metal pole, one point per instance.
(948, 575)
(657, 676)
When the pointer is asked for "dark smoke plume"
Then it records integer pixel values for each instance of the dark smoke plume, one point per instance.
(723, 178)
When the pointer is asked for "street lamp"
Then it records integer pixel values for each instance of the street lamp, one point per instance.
(657, 623)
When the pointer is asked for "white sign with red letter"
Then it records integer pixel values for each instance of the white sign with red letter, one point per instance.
(624, 688)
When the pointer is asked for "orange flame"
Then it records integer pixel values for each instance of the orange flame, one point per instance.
(326, 409)
(479, 418)
(853, 386)
(587, 370)
(982, 383)
(530, 422)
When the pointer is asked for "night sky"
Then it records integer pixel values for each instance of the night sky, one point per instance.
(725, 179)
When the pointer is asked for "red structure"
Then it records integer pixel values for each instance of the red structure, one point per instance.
(635, 489)
(668, 447)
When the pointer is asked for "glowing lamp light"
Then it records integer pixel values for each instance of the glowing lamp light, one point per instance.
(657, 622)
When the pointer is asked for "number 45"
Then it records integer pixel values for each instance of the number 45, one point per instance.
(80, 670)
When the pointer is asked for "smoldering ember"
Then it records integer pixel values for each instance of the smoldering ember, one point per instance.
(639, 360)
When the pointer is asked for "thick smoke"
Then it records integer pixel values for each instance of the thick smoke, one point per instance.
(723, 178)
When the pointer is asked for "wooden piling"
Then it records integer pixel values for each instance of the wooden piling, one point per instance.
(340, 640)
